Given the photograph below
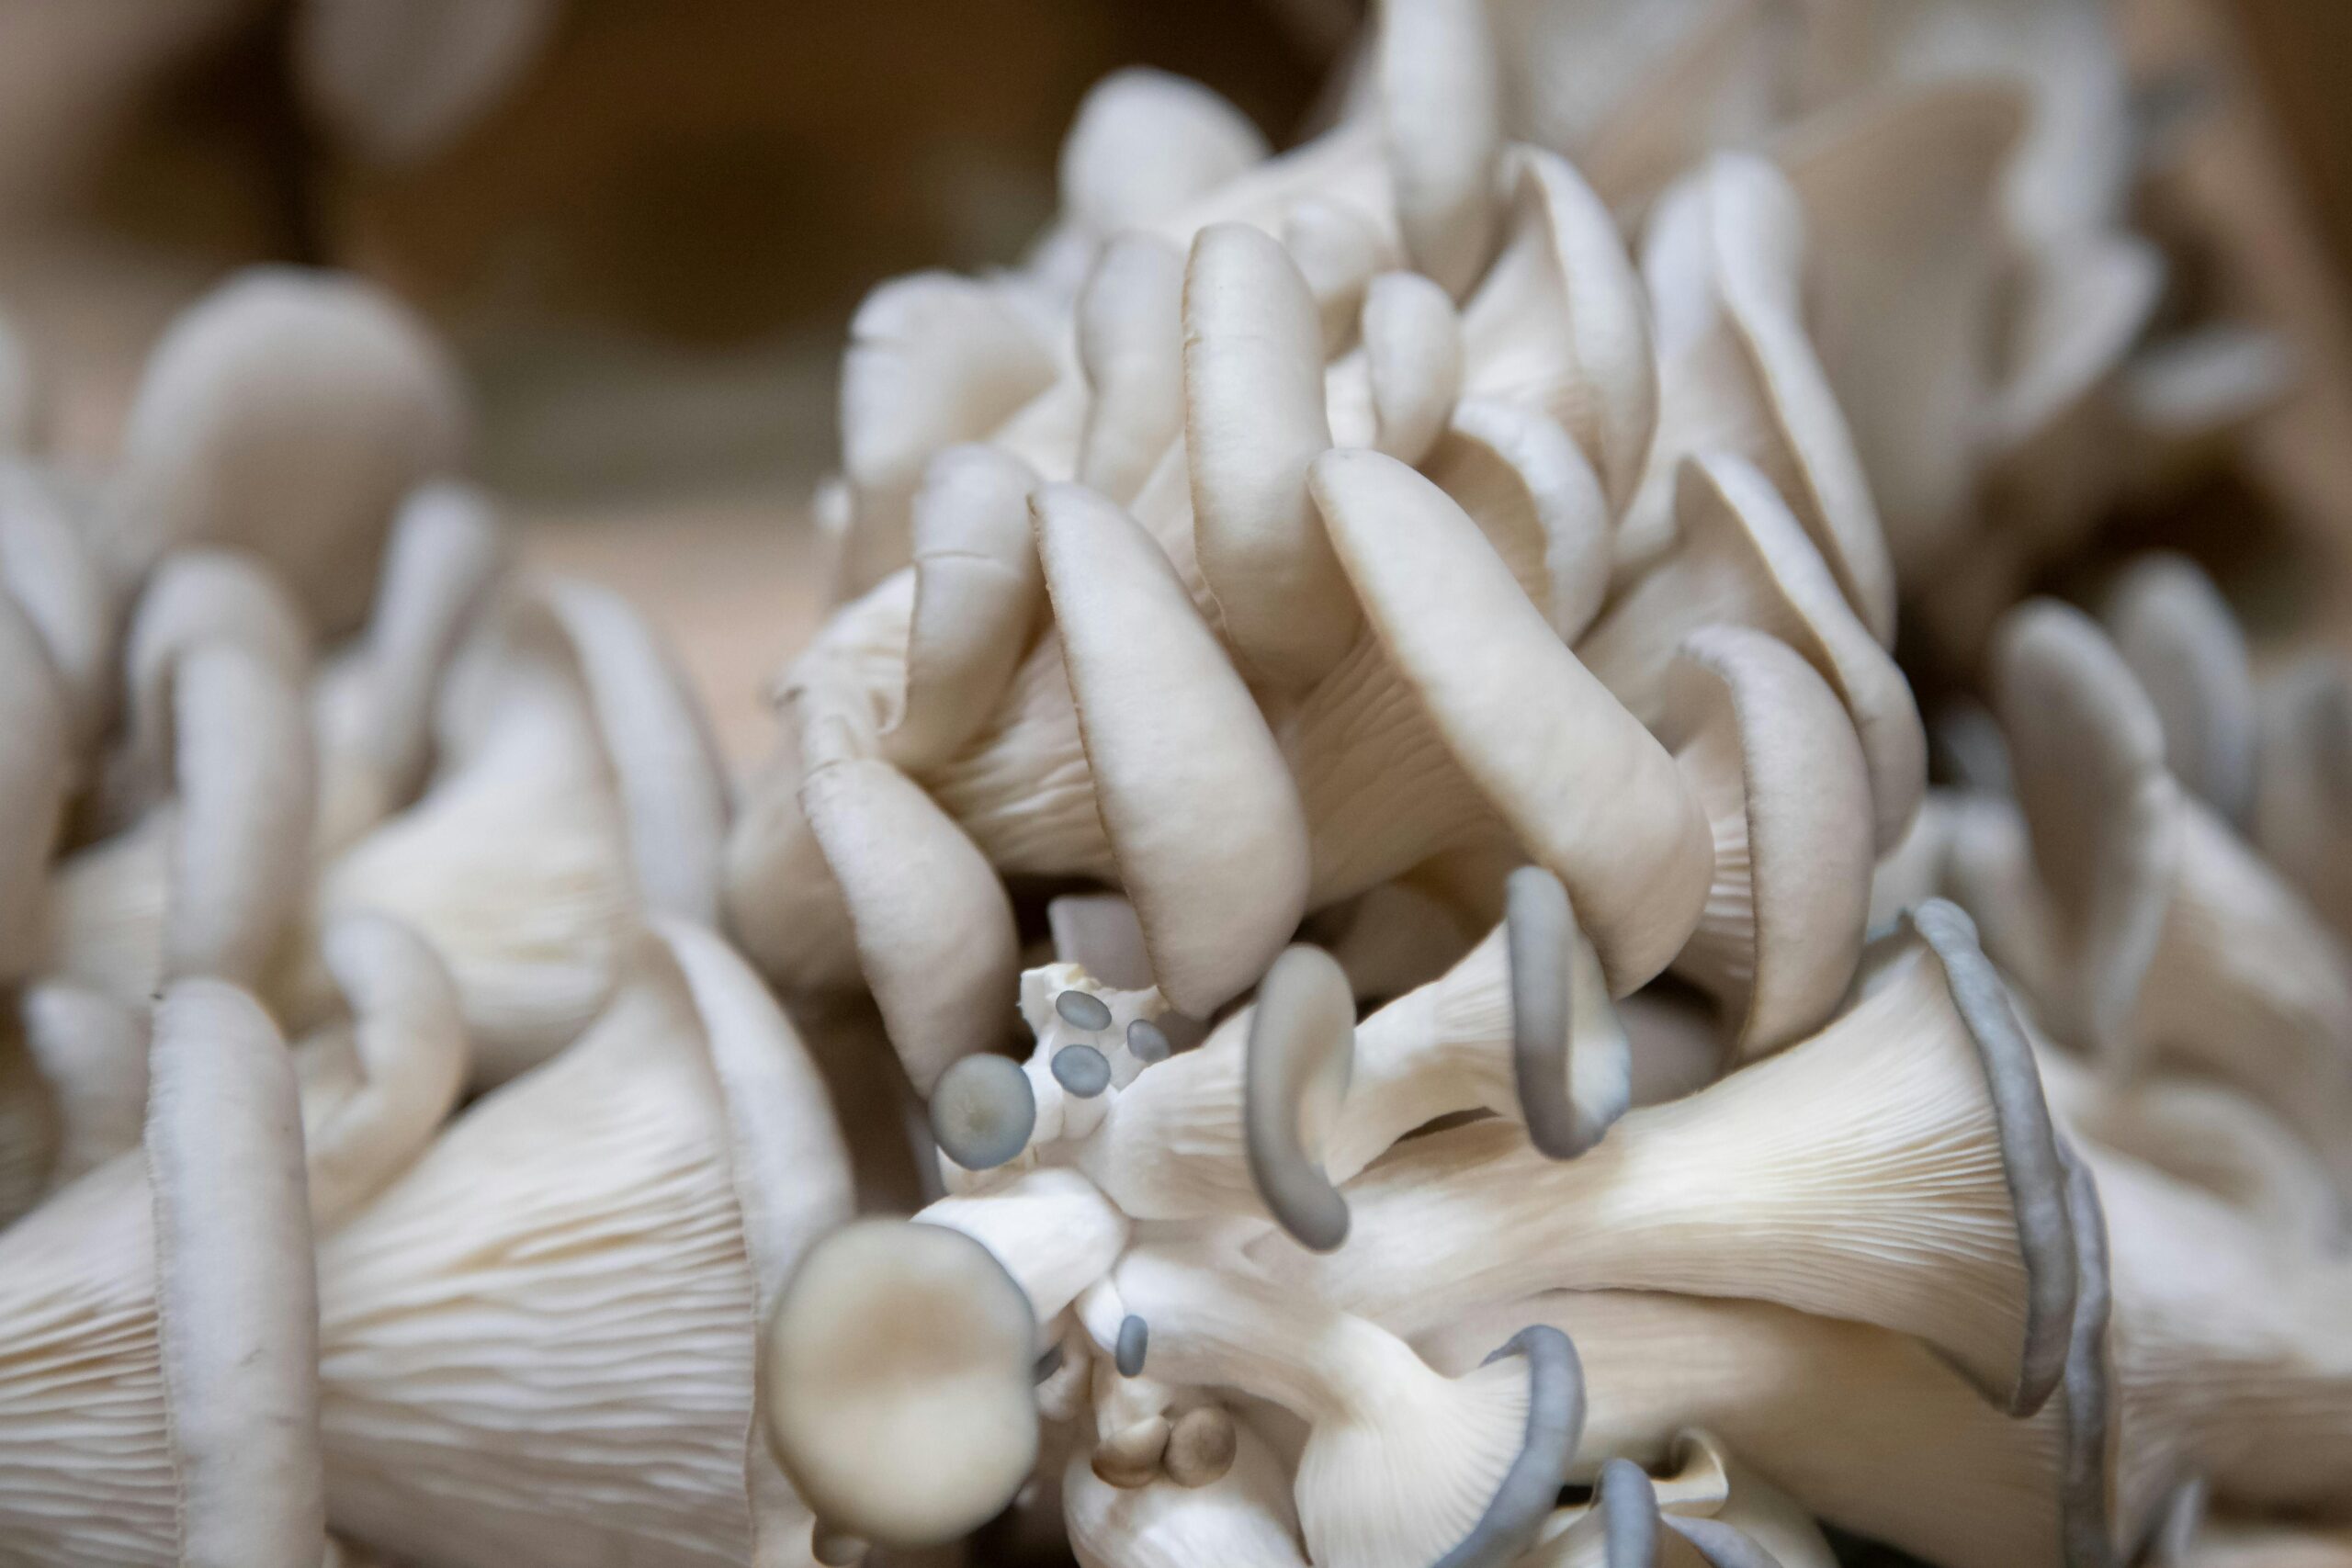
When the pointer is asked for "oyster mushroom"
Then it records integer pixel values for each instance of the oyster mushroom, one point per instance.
(2301, 818)
(47, 566)
(158, 1322)
(1743, 558)
(2190, 948)
(1130, 326)
(34, 773)
(1146, 145)
(576, 797)
(1772, 758)
(1440, 109)
(538, 1342)
(1928, 1198)
(1724, 262)
(77, 1089)
(206, 881)
(1401, 1466)
(895, 1380)
(2173, 628)
(1422, 740)
(287, 413)
(1412, 348)
(1866, 1429)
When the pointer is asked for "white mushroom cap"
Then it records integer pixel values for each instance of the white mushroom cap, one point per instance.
(1559, 323)
(2302, 820)
(401, 83)
(1772, 756)
(1724, 264)
(1526, 723)
(1743, 559)
(1253, 419)
(1922, 1091)
(933, 359)
(1131, 347)
(1400, 1466)
(286, 412)
(90, 1051)
(895, 1382)
(539, 1343)
(1440, 111)
(48, 568)
(158, 1379)
(1203, 818)
(1899, 195)
(34, 769)
(1338, 249)
(2176, 633)
(1145, 145)
(1412, 347)
(1537, 500)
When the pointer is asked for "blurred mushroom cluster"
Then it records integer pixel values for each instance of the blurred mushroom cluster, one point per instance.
(1453, 1002)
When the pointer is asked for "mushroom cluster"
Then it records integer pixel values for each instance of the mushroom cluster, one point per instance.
(1445, 1017)
(1387, 651)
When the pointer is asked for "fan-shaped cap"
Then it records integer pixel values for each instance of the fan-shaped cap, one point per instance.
(287, 413)
(48, 568)
(977, 598)
(1200, 809)
(1559, 323)
(1412, 347)
(1441, 110)
(1535, 496)
(1530, 726)
(934, 926)
(1146, 144)
(1253, 421)
(1301, 1044)
(1131, 347)
(2175, 632)
(1771, 752)
(895, 1382)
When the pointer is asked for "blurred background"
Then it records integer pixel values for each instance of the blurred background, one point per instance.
(643, 227)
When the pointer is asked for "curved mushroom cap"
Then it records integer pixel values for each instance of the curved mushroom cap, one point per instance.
(1725, 262)
(2086, 750)
(1301, 1041)
(1530, 726)
(1202, 815)
(2303, 807)
(1339, 248)
(1559, 323)
(1412, 347)
(158, 1323)
(1899, 195)
(982, 1110)
(977, 598)
(934, 926)
(1744, 560)
(895, 1382)
(1253, 421)
(1772, 756)
(1440, 109)
(48, 568)
(372, 1101)
(288, 413)
(400, 83)
(1535, 496)
(2176, 633)
(933, 359)
(1131, 347)
(34, 768)
(1145, 145)
(90, 1051)
(780, 903)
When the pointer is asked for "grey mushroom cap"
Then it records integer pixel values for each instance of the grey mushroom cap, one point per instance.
(1134, 1345)
(2039, 1190)
(1532, 1486)
(1300, 1050)
(1082, 1070)
(1629, 1514)
(982, 1110)
(1552, 981)
(2087, 1497)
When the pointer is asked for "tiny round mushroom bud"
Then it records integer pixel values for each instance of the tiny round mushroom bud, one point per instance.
(1556, 994)
(1135, 1343)
(1629, 1510)
(982, 1111)
(1201, 1446)
(1082, 1070)
(1147, 1043)
(895, 1382)
(1130, 1457)
(834, 1547)
(1301, 1049)
(1083, 1009)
